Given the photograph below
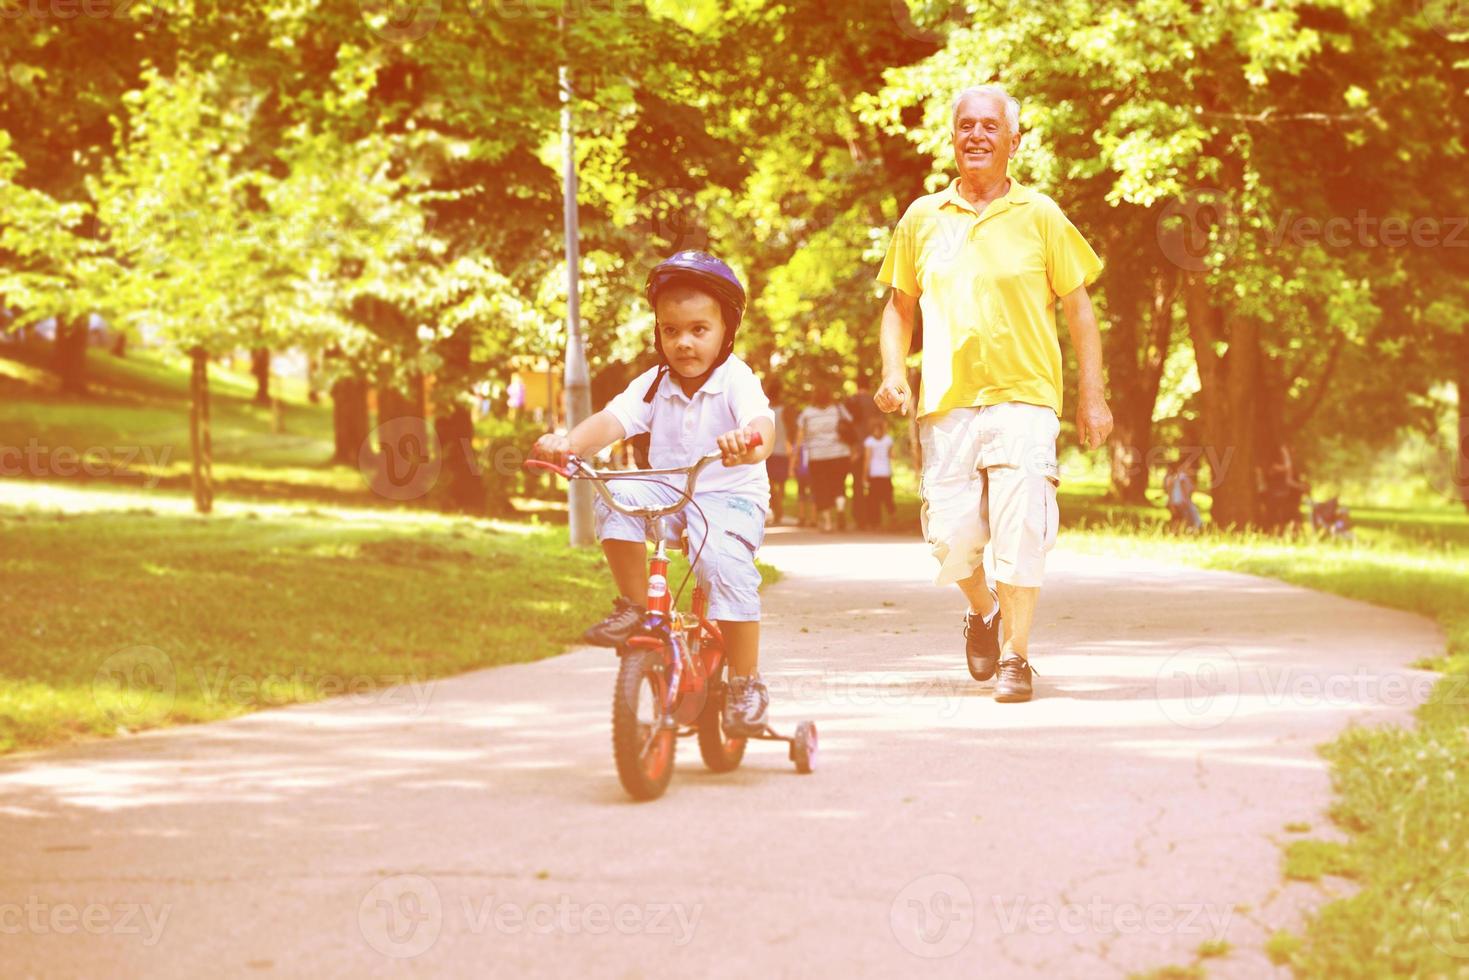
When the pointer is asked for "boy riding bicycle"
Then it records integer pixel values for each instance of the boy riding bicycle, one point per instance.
(698, 395)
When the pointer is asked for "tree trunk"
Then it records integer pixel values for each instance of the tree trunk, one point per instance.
(260, 367)
(1228, 387)
(349, 419)
(69, 355)
(199, 437)
(465, 488)
(1460, 460)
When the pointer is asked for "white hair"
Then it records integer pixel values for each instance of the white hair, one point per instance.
(1012, 104)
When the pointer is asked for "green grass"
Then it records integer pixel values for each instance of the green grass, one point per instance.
(134, 427)
(130, 619)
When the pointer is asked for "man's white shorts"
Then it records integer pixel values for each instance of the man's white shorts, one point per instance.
(989, 478)
(726, 566)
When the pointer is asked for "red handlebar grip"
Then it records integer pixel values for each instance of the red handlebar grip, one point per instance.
(540, 464)
(754, 441)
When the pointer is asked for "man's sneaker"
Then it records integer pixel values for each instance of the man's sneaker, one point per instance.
(615, 630)
(746, 704)
(982, 644)
(1014, 682)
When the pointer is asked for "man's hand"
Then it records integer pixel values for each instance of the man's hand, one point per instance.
(1093, 420)
(894, 394)
(735, 445)
(552, 447)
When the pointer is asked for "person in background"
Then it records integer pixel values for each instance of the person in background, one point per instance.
(806, 505)
(877, 468)
(818, 432)
(515, 395)
(1179, 484)
(778, 463)
(861, 410)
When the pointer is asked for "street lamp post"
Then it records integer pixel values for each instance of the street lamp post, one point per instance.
(577, 380)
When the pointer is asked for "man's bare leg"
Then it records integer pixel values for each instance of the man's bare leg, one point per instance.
(1017, 609)
(977, 591)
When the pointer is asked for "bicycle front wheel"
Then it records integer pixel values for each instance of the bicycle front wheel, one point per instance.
(642, 744)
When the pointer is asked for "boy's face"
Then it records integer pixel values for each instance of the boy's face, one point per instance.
(691, 327)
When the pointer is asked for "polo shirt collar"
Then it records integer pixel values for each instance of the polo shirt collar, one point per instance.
(1017, 194)
(715, 384)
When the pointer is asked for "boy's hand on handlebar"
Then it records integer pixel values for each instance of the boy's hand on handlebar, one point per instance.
(738, 446)
(552, 447)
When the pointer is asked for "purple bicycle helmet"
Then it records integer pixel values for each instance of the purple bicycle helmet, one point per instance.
(704, 271)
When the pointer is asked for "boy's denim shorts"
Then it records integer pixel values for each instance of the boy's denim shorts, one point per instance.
(726, 566)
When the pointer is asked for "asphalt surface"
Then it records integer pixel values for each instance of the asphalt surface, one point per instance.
(475, 826)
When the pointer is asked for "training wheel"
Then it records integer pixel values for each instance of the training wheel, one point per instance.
(803, 747)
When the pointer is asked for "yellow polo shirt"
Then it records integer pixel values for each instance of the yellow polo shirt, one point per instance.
(987, 286)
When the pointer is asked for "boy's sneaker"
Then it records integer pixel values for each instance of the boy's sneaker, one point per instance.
(982, 644)
(617, 628)
(1014, 682)
(746, 705)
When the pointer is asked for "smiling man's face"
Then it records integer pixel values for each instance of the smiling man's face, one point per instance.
(983, 143)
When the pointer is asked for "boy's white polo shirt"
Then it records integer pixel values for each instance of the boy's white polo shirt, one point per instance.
(685, 428)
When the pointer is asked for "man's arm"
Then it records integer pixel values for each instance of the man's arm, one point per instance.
(1093, 417)
(895, 340)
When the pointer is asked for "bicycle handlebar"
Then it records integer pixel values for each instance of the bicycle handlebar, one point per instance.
(578, 469)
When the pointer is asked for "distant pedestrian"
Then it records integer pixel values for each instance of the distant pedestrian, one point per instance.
(877, 468)
(818, 432)
(778, 463)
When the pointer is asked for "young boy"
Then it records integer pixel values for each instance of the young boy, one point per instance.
(877, 466)
(698, 398)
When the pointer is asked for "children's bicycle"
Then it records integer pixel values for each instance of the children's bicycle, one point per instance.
(671, 678)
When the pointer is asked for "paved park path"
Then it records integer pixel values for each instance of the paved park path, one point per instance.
(475, 827)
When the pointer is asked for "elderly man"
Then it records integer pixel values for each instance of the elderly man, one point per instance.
(985, 260)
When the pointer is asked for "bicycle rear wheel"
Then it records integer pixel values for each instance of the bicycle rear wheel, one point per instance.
(721, 754)
(642, 745)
